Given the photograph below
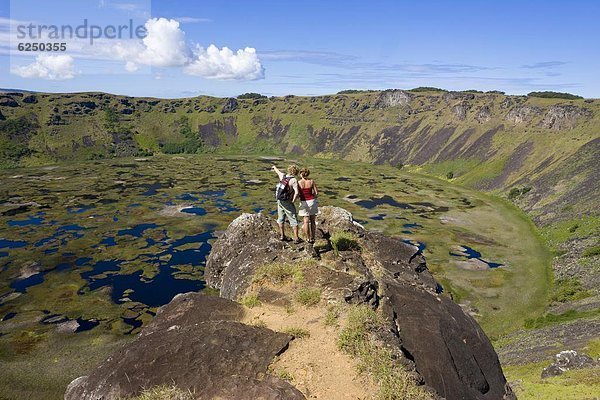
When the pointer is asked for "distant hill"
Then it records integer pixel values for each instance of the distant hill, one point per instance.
(545, 150)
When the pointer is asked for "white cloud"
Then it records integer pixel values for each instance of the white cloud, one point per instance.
(163, 46)
(45, 66)
(212, 63)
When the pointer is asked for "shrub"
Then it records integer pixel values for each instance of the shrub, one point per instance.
(426, 89)
(343, 241)
(516, 192)
(251, 95)
(554, 95)
(450, 175)
(308, 296)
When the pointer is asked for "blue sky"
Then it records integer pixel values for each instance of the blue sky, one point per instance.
(313, 47)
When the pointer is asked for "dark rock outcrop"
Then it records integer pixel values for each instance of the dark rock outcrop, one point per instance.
(7, 101)
(230, 106)
(443, 344)
(30, 99)
(196, 343)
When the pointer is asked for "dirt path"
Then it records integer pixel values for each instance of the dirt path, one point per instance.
(314, 364)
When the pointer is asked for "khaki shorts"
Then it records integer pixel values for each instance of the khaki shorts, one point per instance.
(286, 208)
(308, 208)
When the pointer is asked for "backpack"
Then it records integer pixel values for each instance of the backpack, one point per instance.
(284, 190)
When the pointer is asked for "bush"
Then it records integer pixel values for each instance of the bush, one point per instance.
(308, 296)
(426, 89)
(343, 241)
(514, 193)
(554, 95)
(450, 175)
(353, 91)
(251, 95)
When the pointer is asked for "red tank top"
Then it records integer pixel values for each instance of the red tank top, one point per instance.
(306, 194)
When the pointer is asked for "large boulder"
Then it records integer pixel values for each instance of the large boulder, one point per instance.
(230, 106)
(567, 360)
(195, 343)
(430, 333)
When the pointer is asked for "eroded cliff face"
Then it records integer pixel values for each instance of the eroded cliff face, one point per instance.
(476, 136)
(198, 343)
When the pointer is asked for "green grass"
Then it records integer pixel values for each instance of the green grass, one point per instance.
(582, 384)
(285, 375)
(562, 231)
(308, 296)
(592, 251)
(344, 241)
(279, 273)
(332, 316)
(250, 300)
(569, 289)
(297, 332)
(164, 393)
(375, 359)
(553, 319)
(593, 348)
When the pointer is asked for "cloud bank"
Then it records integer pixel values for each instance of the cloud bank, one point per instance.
(46, 66)
(212, 63)
(164, 46)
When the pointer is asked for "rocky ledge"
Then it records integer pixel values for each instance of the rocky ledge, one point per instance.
(197, 342)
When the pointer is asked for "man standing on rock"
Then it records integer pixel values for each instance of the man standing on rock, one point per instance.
(286, 194)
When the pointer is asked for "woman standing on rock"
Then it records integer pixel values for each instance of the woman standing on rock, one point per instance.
(308, 204)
